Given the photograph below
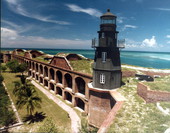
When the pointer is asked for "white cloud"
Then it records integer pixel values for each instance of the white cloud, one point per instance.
(129, 26)
(90, 11)
(12, 1)
(167, 36)
(146, 43)
(11, 38)
(131, 43)
(16, 7)
(8, 33)
(149, 42)
(10, 24)
(162, 9)
(120, 19)
(168, 42)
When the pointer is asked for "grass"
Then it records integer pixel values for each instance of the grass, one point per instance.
(52, 110)
(84, 66)
(21, 53)
(138, 117)
(160, 84)
(41, 58)
(6, 112)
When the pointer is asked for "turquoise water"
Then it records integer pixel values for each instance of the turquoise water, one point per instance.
(144, 59)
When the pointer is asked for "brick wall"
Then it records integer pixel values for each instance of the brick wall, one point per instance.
(100, 104)
(151, 96)
(61, 62)
(28, 55)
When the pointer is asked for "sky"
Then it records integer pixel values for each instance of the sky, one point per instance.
(71, 24)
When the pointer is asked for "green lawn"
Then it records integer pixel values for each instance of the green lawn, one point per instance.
(84, 66)
(41, 58)
(21, 53)
(160, 84)
(138, 117)
(52, 110)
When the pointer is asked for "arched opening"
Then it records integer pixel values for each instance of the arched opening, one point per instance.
(68, 97)
(36, 77)
(33, 75)
(51, 73)
(33, 66)
(36, 67)
(80, 103)
(68, 80)
(59, 77)
(80, 85)
(33, 56)
(59, 91)
(51, 86)
(41, 80)
(29, 64)
(45, 71)
(29, 73)
(45, 83)
(41, 69)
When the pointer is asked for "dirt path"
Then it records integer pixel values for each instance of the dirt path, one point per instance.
(75, 120)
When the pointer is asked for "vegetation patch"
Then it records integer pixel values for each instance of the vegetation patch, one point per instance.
(7, 116)
(83, 66)
(160, 84)
(21, 53)
(41, 58)
(136, 115)
(48, 108)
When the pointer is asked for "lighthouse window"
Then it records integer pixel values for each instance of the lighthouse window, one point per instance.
(102, 34)
(104, 56)
(102, 78)
(115, 35)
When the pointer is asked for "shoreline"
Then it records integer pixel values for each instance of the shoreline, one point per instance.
(146, 69)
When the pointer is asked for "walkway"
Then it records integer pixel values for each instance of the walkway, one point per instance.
(75, 120)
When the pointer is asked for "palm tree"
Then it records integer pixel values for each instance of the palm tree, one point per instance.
(26, 95)
(29, 99)
(21, 86)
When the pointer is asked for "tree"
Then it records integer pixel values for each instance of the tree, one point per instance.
(12, 65)
(21, 86)
(22, 68)
(1, 79)
(29, 99)
(6, 113)
(26, 95)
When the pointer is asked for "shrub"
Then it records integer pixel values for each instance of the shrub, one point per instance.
(48, 127)
(1, 79)
(3, 68)
(22, 67)
(12, 65)
(6, 113)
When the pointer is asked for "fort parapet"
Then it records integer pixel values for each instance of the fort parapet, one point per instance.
(72, 86)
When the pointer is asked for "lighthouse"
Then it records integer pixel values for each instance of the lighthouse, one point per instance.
(107, 73)
(107, 67)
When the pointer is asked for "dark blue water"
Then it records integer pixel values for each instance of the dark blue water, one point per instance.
(144, 59)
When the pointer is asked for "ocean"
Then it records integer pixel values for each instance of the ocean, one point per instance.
(159, 60)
